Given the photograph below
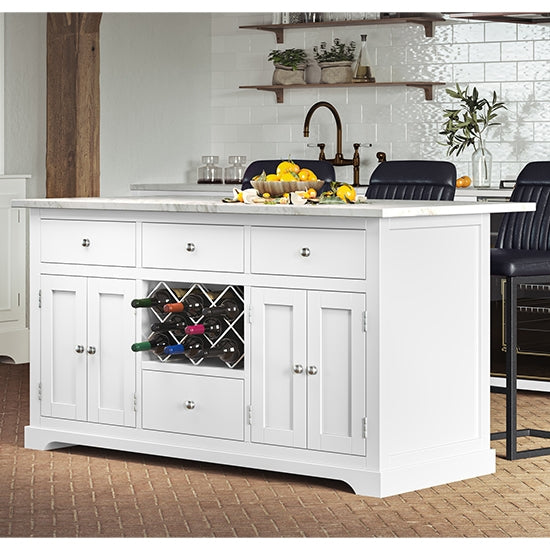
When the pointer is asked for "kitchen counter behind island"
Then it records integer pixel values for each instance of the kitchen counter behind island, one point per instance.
(364, 331)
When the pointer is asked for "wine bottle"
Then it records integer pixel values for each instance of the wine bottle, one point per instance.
(192, 304)
(211, 327)
(229, 308)
(159, 298)
(175, 322)
(228, 350)
(192, 348)
(156, 343)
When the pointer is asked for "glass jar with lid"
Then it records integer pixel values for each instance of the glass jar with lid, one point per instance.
(210, 173)
(235, 171)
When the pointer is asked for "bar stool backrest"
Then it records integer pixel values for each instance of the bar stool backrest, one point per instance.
(528, 230)
(426, 180)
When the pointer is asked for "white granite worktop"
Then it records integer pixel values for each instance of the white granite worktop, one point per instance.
(371, 209)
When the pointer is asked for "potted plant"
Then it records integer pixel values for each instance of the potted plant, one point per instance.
(336, 61)
(466, 125)
(289, 66)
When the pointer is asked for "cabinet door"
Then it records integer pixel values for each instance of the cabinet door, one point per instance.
(63, 343)
(111, 363)
(336, 372)
(278, 335)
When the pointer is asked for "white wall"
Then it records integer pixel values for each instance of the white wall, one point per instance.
(155, 98)
(512, 59)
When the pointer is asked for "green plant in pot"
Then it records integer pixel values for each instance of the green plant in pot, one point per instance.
(289, 66)
(466, 125)
(336, 61)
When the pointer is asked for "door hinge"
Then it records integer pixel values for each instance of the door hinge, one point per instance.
(40, 391)
(364, 321)
(365, 427)
(249, 415)
(135, 402)
(39, 299)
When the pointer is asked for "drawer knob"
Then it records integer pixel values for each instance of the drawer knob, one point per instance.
(305, 252)
(190, 405)
(91, 350)
(85, 243)
(79, 349)
(312, 370)
(298, 369)
(190, 247)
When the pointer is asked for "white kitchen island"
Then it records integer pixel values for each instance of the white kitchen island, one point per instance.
(364, 331)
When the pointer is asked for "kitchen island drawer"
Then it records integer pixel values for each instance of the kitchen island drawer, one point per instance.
(88, 242)
(193, 404)
(193, 247)
(308, 252)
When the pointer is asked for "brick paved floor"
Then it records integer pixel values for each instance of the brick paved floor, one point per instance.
(85, 492)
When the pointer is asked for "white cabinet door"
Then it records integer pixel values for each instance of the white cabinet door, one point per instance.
(63, 338)
(308, 369)
(111, 363)
(336, 372)
(278, 349)
(87, 328)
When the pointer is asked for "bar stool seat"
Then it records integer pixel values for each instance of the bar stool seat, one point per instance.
(522, 255)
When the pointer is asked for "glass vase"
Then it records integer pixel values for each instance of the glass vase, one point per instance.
(482, 162)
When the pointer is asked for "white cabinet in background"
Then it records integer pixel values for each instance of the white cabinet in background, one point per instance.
(14, 333)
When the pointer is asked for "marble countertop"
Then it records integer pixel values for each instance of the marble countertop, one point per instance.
(370, 209)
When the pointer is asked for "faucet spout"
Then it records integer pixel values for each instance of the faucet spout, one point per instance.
(338, 159)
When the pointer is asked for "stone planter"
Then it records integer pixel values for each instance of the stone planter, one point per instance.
(287, 76)
(336, 72)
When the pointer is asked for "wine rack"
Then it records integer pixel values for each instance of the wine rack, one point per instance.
(213, 295)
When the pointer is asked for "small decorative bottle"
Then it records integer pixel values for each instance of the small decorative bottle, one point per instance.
(363, 67)
(234, 173)
(210, 173)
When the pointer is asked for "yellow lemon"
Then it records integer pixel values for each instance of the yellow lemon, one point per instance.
(289, 176)
(305, 174)
(346, 193)
(287, 166)
(272, 177)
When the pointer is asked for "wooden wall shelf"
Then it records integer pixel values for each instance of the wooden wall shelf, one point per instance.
(278, 90)
(428, 22)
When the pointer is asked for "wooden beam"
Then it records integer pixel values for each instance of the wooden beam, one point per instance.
(72, 144)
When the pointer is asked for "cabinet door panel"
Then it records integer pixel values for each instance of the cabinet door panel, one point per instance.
(111, 368)
(63, 328)
(278, 393)
(336, 405)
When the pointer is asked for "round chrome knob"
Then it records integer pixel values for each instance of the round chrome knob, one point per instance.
(312, 370)
(79, 349)
(305, 252)
(90, 350)
(190, 247)
(298, 369)
(190, 405)
(85, 243)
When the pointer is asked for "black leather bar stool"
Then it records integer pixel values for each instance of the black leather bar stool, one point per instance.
(322, 169)
(522, 254)
(424, 180)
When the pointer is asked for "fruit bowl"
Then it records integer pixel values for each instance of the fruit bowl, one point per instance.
(275, 188)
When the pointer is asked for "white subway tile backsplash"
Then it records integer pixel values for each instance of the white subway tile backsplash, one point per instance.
(513, 60)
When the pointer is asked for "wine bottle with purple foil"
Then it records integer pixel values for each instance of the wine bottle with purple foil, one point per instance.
(192, 305)
(211, 327)
(193, 348)
(156, 343)
(159, 299)
(176, 323)
(229, 308)
(227, 349)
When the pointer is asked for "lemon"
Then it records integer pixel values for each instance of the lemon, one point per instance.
(272, 177)
(287, 166)
(305, 174)
(346, 193)
(289, 176)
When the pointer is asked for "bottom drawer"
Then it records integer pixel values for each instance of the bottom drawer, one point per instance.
(193, 404)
